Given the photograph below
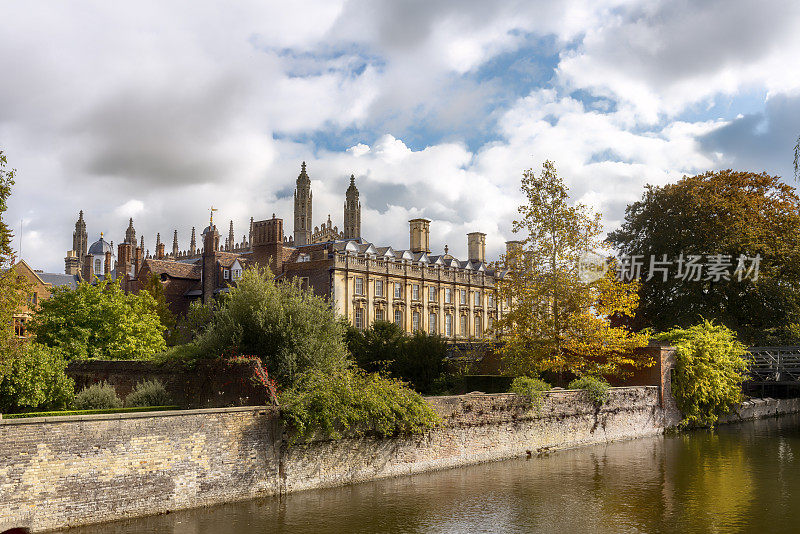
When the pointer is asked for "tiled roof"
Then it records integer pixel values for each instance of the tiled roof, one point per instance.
(59, 280)
(174, 269)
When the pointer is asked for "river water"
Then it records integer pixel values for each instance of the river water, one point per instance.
(738, 478)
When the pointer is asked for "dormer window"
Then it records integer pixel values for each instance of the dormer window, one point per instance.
(226, 273)
(236, 274)
(303, 258)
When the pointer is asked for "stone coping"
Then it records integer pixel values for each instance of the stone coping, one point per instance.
(132, 415)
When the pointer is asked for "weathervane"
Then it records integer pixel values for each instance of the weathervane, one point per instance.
(211, 219)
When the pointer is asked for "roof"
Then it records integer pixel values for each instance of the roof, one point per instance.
(60, 280)
(173, 269)
(100, 247)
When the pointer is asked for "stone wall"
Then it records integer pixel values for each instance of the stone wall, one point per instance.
(64, 471)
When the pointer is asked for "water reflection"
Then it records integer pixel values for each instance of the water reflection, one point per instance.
(742, 478)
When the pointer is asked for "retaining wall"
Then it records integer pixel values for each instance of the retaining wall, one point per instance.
(66, 471)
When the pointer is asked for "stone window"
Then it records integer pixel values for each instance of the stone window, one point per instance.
(378, 288)
(359, 319)
(478, 330)
(379, 315)
(432, 294)
(448, 325)
(398, 290)
(464, 325)
(415, 292)
(490, 300)
(398, 318)
(98, 266)
(432, 323)
(226, 273)
(489, 323)
(359, 290)
(236, 274)
(415, 321)
(463, 297)
(477, 298)
(19, 327)
(448, 295)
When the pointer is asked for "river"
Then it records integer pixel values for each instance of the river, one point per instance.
(738, 478)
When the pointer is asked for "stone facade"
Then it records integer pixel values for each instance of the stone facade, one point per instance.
(364, 282)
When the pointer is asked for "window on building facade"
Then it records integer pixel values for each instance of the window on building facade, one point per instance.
(478, 330)
(226, 273)
(378, 288)
(236, 274)
(34, 298)
(379, 315)
(448, 295)
(463, 297)
(398, 290)
(489, 323)
(432, 294)
(448, 325)
(490, 300)
(463, 330)
(19, 327)
(303, 258)
(432, 323)
(415, 292)
(359, 286)
(398, 318)
(98, 266)
(477, 298)
(415, 321)
(359, 319)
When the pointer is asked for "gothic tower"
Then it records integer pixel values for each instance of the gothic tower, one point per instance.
(175, 249)
(130, 233)
(302, 208)
(352, 211)
(192, 244)
(80, 241)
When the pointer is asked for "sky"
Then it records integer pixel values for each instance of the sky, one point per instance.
(160, 110)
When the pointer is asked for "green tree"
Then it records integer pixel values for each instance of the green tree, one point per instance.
(558, 320)
(710, 366)
(384, 347)
(289, 328)
(100, 321)
(35, 378)
(168, 319)
(726, 213)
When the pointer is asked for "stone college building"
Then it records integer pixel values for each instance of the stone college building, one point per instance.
(364, 282)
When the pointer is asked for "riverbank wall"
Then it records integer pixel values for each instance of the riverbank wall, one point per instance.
(65, 471)
(57, 472)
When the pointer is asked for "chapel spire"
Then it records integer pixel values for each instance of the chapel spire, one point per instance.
(302, 208)
(352, 211)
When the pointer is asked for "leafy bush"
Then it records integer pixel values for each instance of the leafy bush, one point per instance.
(353, 403)
(709, 370)
(100, 396)
(533, 388)
(596, 388)
(384, 347)
(289, 328)
(32, 376)
(148, 393)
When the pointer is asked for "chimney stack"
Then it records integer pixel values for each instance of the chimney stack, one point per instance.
(513, 253)
(476, 246)
(420, 230)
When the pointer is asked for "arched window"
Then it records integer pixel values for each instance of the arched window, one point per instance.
(98, 266)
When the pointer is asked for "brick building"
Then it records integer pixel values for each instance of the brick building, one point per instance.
(364, 282)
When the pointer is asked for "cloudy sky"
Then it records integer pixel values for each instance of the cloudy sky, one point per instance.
(158, 110)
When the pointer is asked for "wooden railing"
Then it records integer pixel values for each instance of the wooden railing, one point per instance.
(775, 364)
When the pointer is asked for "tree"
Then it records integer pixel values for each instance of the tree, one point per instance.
(384, 347)
(559, 321)
(168, 319)
(722, 215)
(35, 378)
(288, 327)
(100, 321)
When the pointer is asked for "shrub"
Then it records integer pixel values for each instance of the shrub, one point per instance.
(709, 370)
(533, 388)
(353, 403)
(32, 376)
(595, 388)
(289, 328)
(100, 396)
(148, 393)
